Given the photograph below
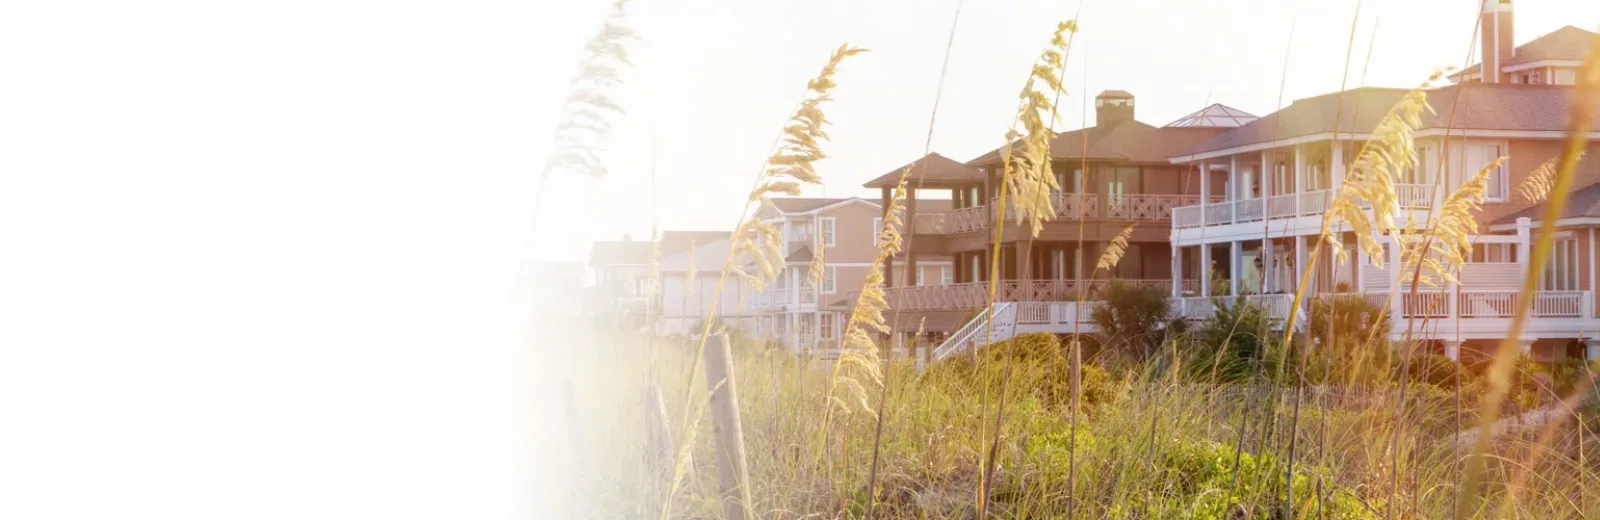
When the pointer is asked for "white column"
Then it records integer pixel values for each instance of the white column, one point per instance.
(1591, 348)
(1524, 232)
(1176, 266)
(1452, 350)
(1205, 190)
(1267, 171)
(1234, 186)
(1205, 270)
(1235, 255)
(1525, 346)
(1267, 254)
(1299, 174)
(1301, 256)
(1336, 165)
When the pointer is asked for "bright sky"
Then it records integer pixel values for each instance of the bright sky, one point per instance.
(716, 78)
(260, 259)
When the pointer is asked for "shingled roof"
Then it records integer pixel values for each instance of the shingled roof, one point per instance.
(1582, 203)
(932, 171)
(1481, 106)
(1130, 141)
(1565, 44)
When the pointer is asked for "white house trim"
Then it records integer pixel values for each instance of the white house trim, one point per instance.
(1541, 64)
(1268, 145)
(1575, 221)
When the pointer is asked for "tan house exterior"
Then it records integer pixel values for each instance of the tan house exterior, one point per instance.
(811, 318)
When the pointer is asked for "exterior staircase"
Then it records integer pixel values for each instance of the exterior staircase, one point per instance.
(977, 332)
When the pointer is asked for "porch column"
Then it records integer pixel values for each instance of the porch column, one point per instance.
(1268, 270)
(1022, 257)
(1525, 345)
(989, 215)
(1524, 231)
(1452, 349)
(1300, 174)
(1268, 169)
(909, 230)
(1234, 186)
(1336, 165)
(1235, 253)
(1205, 270)
(1591, 348)
(888, 262)
(1205, 189)
(1301, 263)
(1176, 267)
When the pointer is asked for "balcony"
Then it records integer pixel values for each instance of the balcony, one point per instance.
(1068, 206)
(783, 297)
(1288, 205)
(967, 296)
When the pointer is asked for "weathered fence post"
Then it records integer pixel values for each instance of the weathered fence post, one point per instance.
(726, 427)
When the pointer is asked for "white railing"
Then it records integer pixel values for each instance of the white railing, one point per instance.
(773, 297)
(1185, 217)
(1194, 307)
(1487, 304)
(1560, 304)
(1313, 202)
(989, 326)
(1425, 304)
(1276, 305)
(1249, 210)
(1280, 206)
(1414, 196)
(1219, 213)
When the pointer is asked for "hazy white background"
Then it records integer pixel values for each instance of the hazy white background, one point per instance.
(257, 260)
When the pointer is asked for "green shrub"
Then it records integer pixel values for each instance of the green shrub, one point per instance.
(1132, 320)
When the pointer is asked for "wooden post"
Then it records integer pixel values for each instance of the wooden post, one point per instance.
(729, 433)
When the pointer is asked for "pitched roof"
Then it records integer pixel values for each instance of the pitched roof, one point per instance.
(802, 255)
(1216, 115)
(1582, 203)
(674, 242)
(622, 252)
(804, 204)
(1565, 44)
(932, 169)
(1131, 141)
(1481, 106)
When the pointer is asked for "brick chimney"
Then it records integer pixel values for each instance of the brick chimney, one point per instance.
(1114, 106)
(1497, 39)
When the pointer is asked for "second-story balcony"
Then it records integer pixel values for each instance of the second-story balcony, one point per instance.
(1288, 205)
(1068, 206)
(785, 297)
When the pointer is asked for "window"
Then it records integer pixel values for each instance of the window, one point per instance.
(1561, 274)
(947, 275)
(877, 229)
(1494, 254)
(830, 274)
(1119, 183)
(828, 325)
(826, 230)
(1472, 156)
(1565, 77)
